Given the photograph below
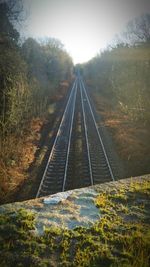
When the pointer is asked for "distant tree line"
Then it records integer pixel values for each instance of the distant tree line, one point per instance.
(30, 74)
(122, 72)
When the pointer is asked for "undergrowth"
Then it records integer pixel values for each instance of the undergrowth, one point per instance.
(121, 238)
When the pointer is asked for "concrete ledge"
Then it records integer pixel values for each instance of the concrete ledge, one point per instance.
(72, 209)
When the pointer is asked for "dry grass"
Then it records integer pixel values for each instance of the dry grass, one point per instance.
(132, 139)
(21, 153)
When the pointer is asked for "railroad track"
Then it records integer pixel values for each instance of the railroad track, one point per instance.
(78, 157)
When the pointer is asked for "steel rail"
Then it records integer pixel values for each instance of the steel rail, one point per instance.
(70, 134)
(86, 136)
(100, 139)
(56, 138)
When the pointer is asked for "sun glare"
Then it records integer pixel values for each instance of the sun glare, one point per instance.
(83, 26)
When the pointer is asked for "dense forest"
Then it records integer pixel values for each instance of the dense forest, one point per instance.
(121, 72)
(119, 83)
(31, 74)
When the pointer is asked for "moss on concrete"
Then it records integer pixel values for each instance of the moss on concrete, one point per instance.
(119, 238)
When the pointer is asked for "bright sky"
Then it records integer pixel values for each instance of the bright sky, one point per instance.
(83, 26)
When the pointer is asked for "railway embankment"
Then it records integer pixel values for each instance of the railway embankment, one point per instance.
(102, 225)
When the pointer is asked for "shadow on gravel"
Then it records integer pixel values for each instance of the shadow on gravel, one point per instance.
(48, 132)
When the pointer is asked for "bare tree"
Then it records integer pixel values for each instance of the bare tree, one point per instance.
(138, 30)
(11, 14)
